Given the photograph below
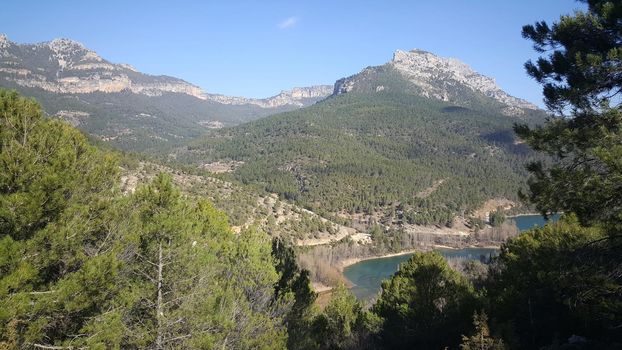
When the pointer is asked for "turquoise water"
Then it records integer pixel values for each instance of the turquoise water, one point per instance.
(526, 222)
(367, 275)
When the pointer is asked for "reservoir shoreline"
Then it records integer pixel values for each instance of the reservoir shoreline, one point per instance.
(351, 261)
(363, 275)
(366, 277)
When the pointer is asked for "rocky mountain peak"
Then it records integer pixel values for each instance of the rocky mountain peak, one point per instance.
(68, 51)
(4, 41)
(65, 45)
(308, 91)
(298, 96)
(432, 76)
(425, 64)
(67, 66)
(437, 75)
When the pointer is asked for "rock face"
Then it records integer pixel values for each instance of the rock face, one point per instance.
(437, 77)
(299, 96)
(123, 106)
(65, 66)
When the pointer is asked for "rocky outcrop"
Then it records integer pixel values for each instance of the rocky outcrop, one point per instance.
(299, 96)
(65, 66)
(436, 77)
(423, 69)
(4, 41)
(74, 118)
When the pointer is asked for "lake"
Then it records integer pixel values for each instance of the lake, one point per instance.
(367, 275)
(526, 222)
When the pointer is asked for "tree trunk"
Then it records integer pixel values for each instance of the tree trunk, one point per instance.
(159, 314)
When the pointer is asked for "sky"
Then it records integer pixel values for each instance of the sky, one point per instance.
(258, 48)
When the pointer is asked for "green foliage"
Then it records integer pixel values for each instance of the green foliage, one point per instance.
(293, 285)
(46, 167)
(425, 304)
(586, 177)
(189, 281)
(55, 268)
(560, 281)
(343, 324)
(579, 76)
(81, 266)
(336, 325)
(550, 283)
(583, 67)
(481, 339)
(375, 153)
(497, 217)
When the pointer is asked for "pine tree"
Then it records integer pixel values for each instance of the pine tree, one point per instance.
(581, 77)
(425, 304)
(340, 323)
(583, 68)
(189, 282)
(57, 260)
(481, 339)
(83, 267)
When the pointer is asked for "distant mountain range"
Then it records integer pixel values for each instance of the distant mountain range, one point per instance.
(136, 111)
(131, 109)
(417, 140)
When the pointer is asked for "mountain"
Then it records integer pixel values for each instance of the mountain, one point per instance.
(123, 106)
(299, 96)
(428, 75)
(419, 140)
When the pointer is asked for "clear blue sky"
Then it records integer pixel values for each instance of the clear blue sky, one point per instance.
(257, 48)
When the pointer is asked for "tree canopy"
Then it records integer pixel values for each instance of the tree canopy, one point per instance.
(567, 276)
(584, 66)
(83, 266)
(426, 304)
(582, 76)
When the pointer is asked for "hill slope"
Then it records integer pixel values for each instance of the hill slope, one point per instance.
(126, 107)
(385, 148)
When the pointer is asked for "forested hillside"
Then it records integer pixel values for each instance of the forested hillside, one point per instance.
(81, 265)
(244, 206)
(392, 153)
(105, 250)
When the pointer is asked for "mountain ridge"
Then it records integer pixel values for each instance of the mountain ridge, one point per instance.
(384, 149)
(419, 140)
(437, 77)
(71, 61)
(124, 107)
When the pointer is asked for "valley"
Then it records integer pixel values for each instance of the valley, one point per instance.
(415, 153)
(325, 246)
(414, 204)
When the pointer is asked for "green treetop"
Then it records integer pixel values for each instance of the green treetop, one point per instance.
(584, 67)
(582, 75)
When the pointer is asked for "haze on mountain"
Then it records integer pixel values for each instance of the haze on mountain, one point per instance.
(127, 108)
